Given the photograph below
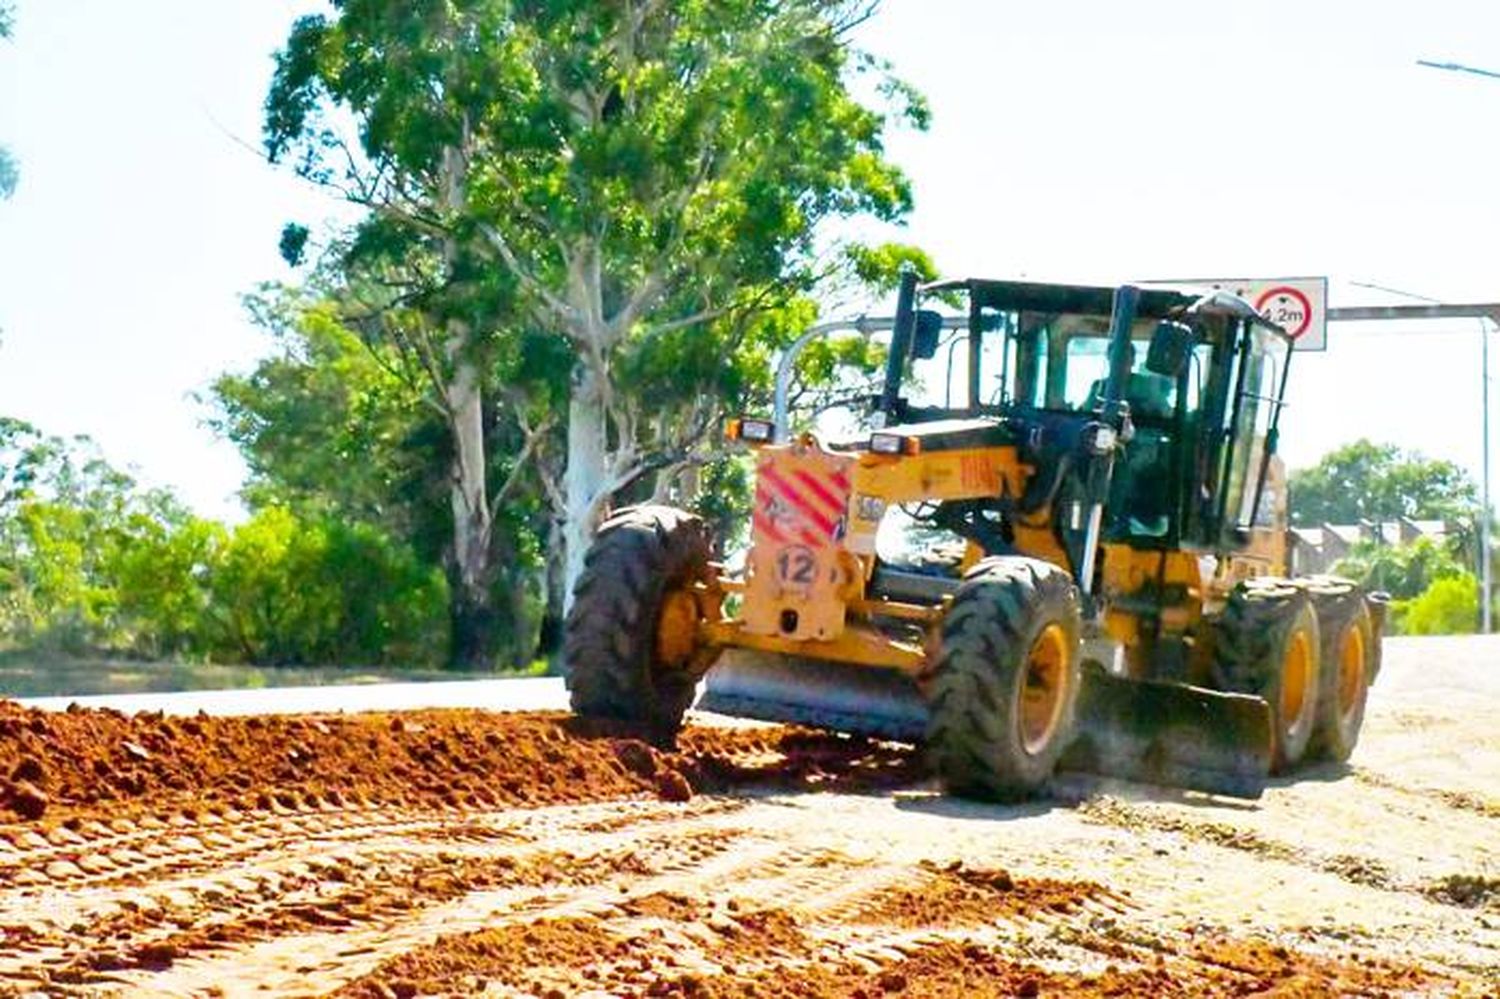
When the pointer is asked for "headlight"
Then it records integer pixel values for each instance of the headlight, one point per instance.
(1103, 439)
(894, 444)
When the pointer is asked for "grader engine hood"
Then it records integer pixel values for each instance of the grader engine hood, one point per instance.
(817, 512)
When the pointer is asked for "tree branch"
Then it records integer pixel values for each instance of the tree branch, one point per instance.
(560, 308)
(533, 438)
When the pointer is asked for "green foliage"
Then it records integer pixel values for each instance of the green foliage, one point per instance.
(1404, 571)
(879, 267)
(650, 179)
(1450, 606)
(67, 520)
(724, 500)
(332, 427)
(335, 427)
(160, 576)
(286, 592)
(293, 243)
(1368, 481)
(90, 563)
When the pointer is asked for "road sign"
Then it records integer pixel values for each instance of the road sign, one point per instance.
(1297, 305)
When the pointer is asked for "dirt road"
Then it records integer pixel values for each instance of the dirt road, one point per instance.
(448, 852)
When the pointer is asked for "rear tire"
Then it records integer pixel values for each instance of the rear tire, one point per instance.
(1267, 644)
(1350, 660)
(1002, 694)
(640, 565)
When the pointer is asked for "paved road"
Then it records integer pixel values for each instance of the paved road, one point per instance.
(1415, 669)
(525, 694)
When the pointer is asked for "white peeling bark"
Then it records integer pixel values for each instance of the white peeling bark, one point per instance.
(585, 480)
(468, 494)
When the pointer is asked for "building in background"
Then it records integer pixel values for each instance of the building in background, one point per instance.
(1319, 549)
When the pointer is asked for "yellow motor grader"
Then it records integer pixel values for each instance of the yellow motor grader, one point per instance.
(1100, 582)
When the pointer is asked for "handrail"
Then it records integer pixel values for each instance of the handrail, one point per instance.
(787, 366)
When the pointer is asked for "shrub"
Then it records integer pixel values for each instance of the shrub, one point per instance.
(1448, 607)
(288, 592)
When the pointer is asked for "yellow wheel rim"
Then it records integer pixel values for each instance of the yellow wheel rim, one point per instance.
(1351, 671)
(1296, 678)
(1044, 689)
(677, 628)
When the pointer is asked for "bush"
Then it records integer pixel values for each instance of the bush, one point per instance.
(92, 564)
(159, 572)
(287, 592)
(1448, 607)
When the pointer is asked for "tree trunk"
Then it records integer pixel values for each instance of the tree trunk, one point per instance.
(471, 626)
(584, 480)
(549, 637)
(472, 615)
(473, 611)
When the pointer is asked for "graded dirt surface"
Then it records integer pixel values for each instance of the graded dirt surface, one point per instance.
(462, 852)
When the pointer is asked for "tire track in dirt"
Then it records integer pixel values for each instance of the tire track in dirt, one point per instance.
(329, 917)
(670, 945)
(458, 852)
(1462, 801)
(1363, 870)
(280, 873)
(152, 847)
(642, 867)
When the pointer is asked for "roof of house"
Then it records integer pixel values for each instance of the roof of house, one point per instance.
(1347, 533)
(1310, 536)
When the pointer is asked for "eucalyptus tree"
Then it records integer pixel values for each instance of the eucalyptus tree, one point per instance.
(410, 79)
(647, 179)
(341, 422)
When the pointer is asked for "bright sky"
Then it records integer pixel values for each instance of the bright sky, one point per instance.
(1075, 140)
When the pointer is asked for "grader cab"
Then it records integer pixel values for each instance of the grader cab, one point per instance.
(1100, 581)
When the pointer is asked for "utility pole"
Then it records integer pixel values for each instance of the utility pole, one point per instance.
(1484, 353)
(1486, 585)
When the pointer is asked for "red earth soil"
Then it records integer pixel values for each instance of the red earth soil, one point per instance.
(766, 955)
(81, 770)
(56, 765)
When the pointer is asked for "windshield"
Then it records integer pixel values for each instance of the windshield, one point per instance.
(1052, 361)
(1061, 362)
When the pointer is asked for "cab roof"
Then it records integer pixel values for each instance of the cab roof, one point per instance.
(1156, 301)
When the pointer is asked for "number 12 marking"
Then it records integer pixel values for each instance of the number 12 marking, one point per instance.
(796, 565)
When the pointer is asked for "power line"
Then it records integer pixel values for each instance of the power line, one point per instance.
(1454, 67)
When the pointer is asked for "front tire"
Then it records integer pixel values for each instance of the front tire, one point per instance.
(1267, 644)
(1002, 694)
(628, 641)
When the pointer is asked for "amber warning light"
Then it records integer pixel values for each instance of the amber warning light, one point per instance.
(750, 430)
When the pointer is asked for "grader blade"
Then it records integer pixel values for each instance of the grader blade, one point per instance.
(860, 700)
(1171, 734)
(1138, 730)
